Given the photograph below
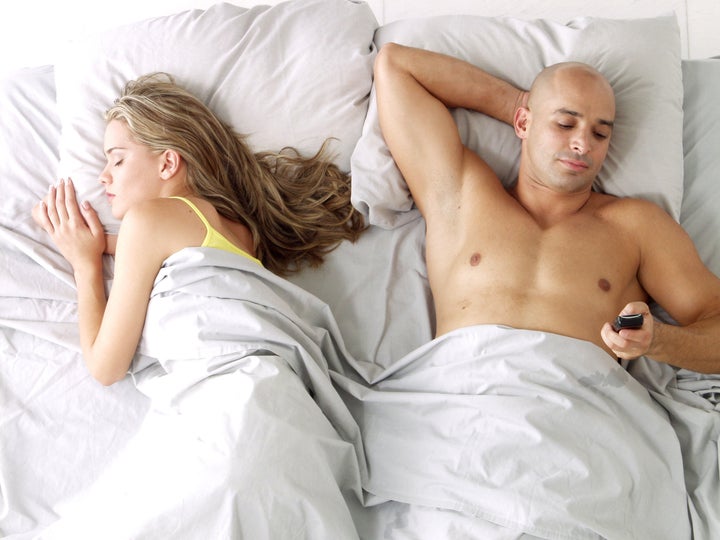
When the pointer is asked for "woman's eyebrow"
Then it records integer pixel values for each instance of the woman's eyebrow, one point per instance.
(113, 149)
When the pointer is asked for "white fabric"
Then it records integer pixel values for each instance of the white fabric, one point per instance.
(28, 164)
(532, 431)
(246, 438)
(293, 74)
(701, 205)
(640, 58)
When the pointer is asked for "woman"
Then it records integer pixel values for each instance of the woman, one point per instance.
(178, 177)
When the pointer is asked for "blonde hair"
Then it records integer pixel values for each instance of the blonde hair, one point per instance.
(297, 209)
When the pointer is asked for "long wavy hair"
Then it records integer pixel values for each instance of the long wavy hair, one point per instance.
(297, 208)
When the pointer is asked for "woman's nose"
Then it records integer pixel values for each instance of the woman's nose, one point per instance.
(105, 177)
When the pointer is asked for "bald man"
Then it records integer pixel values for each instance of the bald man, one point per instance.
(548, 254)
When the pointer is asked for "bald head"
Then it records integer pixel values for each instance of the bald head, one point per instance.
(569, 118)
(556, 78)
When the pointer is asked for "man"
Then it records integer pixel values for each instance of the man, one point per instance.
(549, 254)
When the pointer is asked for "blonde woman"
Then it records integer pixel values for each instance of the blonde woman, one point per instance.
(178, 177)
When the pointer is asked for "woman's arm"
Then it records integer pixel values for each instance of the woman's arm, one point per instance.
(110, 329)
(78, 234)
(110, 244)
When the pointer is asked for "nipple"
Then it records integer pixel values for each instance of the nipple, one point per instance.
(475, 259)
(604, 284)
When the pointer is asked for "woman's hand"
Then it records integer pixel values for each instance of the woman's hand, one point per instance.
(75, 228)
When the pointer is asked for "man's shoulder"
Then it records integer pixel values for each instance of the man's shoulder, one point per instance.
(630, 205)
(635, 216)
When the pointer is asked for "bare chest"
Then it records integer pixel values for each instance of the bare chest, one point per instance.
(586, 253)
(567, 278)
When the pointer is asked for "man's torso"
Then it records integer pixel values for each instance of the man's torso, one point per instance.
(495, 265)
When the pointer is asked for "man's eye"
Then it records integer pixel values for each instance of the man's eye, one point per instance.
(601, 136)
(565, 126)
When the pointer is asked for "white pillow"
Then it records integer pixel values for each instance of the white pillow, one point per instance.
(289, 75)
(29, 134)
(640, 58)
(700, 214)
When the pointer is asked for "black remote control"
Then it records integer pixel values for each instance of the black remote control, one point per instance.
(628, 321)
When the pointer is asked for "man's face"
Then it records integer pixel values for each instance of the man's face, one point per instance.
(568, 130)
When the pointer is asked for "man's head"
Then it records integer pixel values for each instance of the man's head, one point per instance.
(566, 127)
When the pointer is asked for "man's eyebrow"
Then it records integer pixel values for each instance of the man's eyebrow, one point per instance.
(576, 114)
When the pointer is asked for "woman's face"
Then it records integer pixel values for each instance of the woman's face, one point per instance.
(132, 172)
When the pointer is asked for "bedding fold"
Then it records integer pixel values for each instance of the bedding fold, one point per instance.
(532, 431)
(246, 436)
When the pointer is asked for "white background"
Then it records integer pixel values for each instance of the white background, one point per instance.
(32, 33)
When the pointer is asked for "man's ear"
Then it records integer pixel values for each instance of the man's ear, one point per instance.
(520, 122)
(170, 163)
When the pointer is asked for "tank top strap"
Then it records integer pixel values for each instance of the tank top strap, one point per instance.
(196, 210)
(213, 238)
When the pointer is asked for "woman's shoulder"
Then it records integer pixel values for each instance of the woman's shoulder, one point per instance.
(163, 211)
(161, 224)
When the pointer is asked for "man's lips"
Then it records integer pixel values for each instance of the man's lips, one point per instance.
(575, 162)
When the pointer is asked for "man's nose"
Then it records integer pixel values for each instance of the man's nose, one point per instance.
(580, 143)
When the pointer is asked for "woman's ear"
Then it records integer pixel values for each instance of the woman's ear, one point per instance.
(170, 164)
(520, 122)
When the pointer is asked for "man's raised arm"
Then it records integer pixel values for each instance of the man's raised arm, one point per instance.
(414, 89)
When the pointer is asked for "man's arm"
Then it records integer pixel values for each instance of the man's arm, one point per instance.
(673, 274)
(414, 90)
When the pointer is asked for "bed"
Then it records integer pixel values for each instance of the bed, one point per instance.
(320, 406)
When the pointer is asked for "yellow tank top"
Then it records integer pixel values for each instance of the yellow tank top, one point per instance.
(213, 238)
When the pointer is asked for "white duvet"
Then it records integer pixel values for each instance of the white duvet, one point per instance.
(535, 432)
(245, 437)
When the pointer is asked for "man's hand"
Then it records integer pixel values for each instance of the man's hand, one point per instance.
(627, 343)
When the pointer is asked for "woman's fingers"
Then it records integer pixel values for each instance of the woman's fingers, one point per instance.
(76, 229)
(67, 207)
(51, 207)
(61, 206)
(40, 215)
(91, 218)
(72, 208)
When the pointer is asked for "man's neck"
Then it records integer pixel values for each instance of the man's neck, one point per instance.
(548, 207)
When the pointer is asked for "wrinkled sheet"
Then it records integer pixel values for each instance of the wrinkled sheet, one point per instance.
(531, 431)
(245, 436)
